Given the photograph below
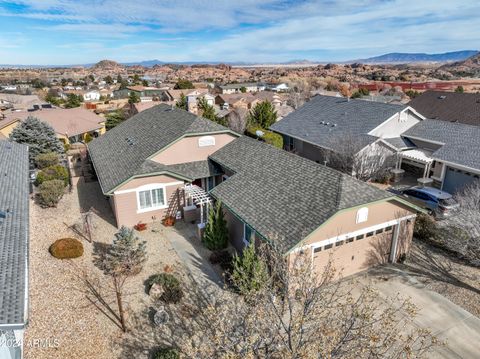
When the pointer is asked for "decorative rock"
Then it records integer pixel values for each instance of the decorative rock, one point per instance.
(156, 290)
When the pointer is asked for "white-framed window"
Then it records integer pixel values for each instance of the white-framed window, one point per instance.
(362, 215)
(248, 233)
(151, 198)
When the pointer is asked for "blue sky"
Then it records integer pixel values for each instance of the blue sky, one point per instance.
(76, 32)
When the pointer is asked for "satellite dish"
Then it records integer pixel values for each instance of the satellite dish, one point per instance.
(259, 133)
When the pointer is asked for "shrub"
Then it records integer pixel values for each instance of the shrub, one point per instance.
(57, 172)
(173, 292)
(46, 160)
(166, 353)
(87, 138)
(425, 227)
(269, 137)
(249, 271)
(66, 248)
(50, 193)
(216, 232)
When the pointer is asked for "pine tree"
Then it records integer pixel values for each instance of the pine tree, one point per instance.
(39, 136)
(216, 231)
(263, 115)
(133, 98)
(124, 259)
(249, 271)
(182, 102)
(208, 112)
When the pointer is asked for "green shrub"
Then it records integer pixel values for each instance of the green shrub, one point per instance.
(250, 272)
(216, 231)
(47, 159)
(425, 227)
(166, 353)
(172, 290)
(66, 248)
(50, 193)
(269, 137)
(88, 138)
(57, 172)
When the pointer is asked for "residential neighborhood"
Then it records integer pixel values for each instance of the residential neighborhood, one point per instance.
(272, 187)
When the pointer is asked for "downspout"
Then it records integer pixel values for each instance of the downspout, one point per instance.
(393, 250)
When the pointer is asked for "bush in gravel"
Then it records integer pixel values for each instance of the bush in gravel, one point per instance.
(66, 248)
(172, 290)
(166, 353)
(47, 160)
(56, 172)
(50, 193)
(425, 228)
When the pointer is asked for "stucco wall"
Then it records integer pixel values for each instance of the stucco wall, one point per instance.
(397, 125)
(235, 230)
(8, 129)
(188, 149)
(124, 201)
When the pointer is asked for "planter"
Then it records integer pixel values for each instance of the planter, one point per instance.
(169, 221)
(140, 227)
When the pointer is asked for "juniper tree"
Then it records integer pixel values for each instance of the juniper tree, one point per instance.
(263, 115)
(124, 259)
(39, 136)
(182, 102)
(216, 231)
(249, 271)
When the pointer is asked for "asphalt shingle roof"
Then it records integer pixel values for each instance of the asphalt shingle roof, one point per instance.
(340, 117)
(449, 106)
(285, 197)
(14, 228)
(400, 143)
(461, 142)
(123, 151)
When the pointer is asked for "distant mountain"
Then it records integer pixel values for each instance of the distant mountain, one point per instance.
(400, 57)
(468, 67)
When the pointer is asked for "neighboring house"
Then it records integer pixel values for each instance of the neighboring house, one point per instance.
(14, 239)
(194, 96)
(141, 91)
(19, 102)
(235, 100)
(328, 124)
(447, 153)
(236, 88)
(146, 166)
(283, 87)
(449, 106)
(92, 95)
(71, 125)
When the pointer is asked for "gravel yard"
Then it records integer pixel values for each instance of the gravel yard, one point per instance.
(64, 312)
(446, 275)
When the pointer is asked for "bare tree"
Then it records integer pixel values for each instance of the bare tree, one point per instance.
(237, 119)
(124, 258)
(299, 93)
(298, 313)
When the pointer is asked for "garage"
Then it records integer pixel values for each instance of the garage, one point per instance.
(356, 253)
(456, 179)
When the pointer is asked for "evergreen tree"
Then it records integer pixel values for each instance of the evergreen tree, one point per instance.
(124, 259)
(114, 119)
(182, 102)
(184, 85)
(263, 115)
(73, 100)
(216, 231)
(39, 136)
(108, 79)
(133, 98)
(249, 271)
(208, 112)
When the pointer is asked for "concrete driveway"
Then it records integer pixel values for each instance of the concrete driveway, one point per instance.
(447, 321)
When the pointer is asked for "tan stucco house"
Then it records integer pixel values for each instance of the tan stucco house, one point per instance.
(146, 164)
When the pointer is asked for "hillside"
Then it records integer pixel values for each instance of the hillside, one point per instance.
(107, 65)
(466, 68)
(400, 57)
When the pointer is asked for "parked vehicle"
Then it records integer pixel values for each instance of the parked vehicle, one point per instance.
(440, 203)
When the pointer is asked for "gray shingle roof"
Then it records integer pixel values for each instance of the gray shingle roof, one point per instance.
(400, 143)
(284, 197)
(461, 143)
(354, 118)
(449, 106)
(123, 151)
(14, 228)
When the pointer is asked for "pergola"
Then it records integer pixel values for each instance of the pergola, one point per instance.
(197, 196)
(419, 156)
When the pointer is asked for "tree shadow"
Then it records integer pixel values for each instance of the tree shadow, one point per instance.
(100, 249)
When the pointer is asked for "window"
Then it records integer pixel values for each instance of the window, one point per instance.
(339, 243)
(247, 234)
(328, 246)
(362, 215)
(369, 234)
(151, 199)
(379, 231)
(317, 249)
(361, 236)
(350, 240)
(388, 229)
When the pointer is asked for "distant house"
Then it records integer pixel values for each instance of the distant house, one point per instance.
(92, 95)
(194, 96)
(14, 239)
(141, 91)
(282, 87)
(236, 100)
(166, 162)
(19, 102)
(236, 88)
(71, 125)
(449, 106)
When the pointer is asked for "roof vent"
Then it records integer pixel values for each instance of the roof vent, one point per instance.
(333, 125)
(130, 141)
(442, 97)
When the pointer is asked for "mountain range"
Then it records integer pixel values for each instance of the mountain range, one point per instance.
(405, 57)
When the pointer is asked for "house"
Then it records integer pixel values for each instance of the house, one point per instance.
(282, 87)
(14, 239)
(71, 125)
(236, 88)
(194, 96)
(91, 95)
(19, 102)
(235, 100)
(327, 124)
(141, 91)
(167, 162)
(449, 106)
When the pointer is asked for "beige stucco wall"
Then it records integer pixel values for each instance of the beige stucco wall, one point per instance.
(188, 150)
(124, 200)
(9, 128)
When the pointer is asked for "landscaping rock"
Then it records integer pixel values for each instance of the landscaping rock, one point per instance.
(156, 291)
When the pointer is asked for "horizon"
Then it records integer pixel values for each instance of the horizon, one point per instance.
(66, 33)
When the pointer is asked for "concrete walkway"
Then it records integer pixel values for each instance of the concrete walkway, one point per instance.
(183, 240)
(447, 321)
